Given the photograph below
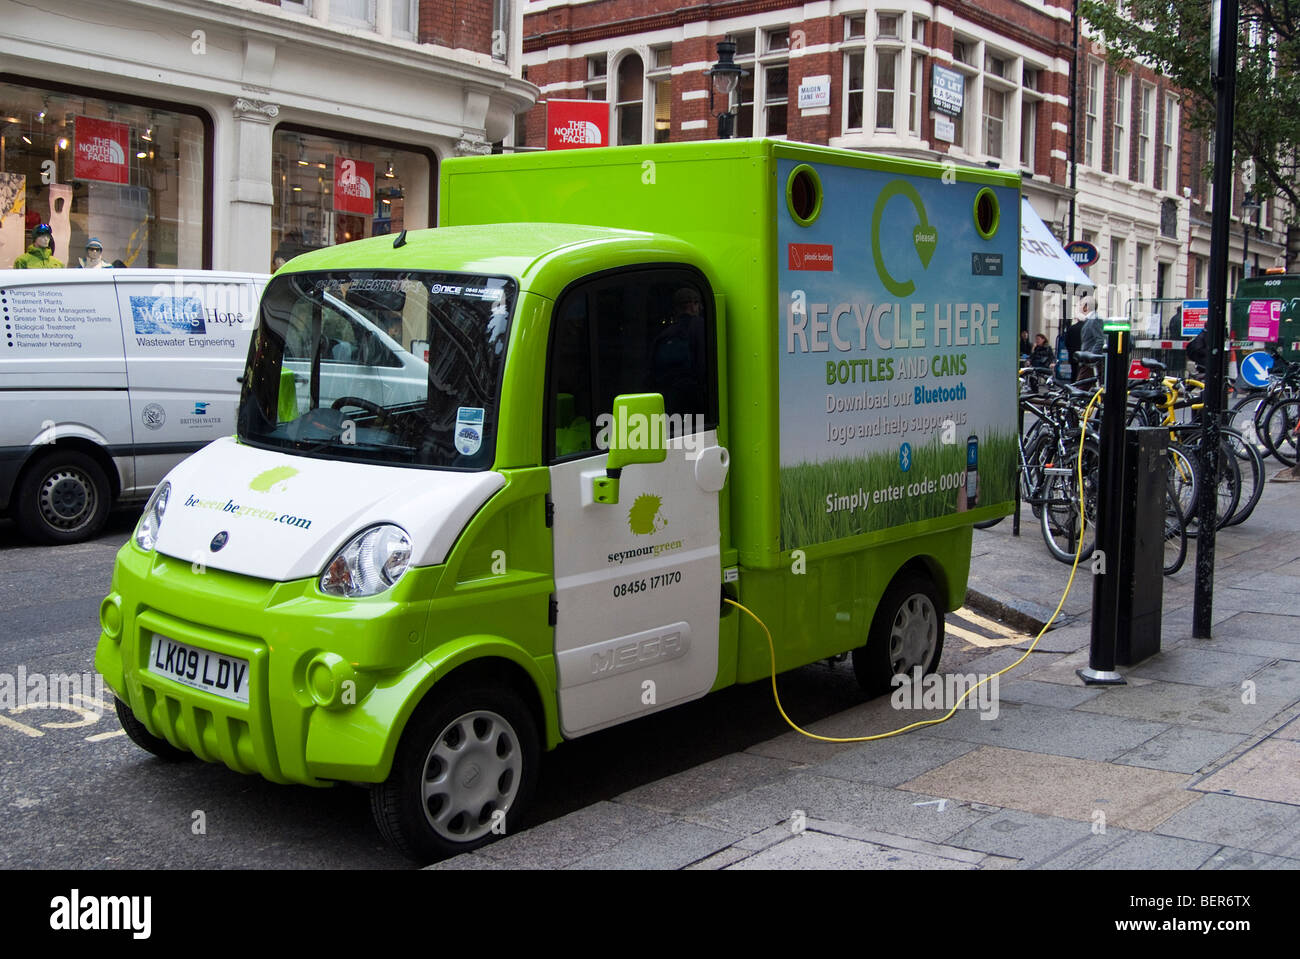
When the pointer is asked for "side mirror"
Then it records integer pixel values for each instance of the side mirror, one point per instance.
(637, 434)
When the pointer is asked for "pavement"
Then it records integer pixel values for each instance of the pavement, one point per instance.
(1192, 764)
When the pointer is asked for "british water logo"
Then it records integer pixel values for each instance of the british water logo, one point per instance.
(161, 315)
(201, 409)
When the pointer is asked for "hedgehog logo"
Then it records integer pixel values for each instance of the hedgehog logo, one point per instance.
(645, 518)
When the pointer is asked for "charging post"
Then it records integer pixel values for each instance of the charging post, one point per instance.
(1106, 569)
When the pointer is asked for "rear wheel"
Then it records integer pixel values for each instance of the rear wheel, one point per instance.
(1280, 430)
(1175, 532)
(1251, 465)
(463, 774)
(906, 633)
(63, 497)
(1244, 418)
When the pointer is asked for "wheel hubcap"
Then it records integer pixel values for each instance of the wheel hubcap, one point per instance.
(914, 635)
(472, 772)
(67, 499)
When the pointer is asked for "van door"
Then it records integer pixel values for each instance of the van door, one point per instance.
(186, 345)
(638, 583)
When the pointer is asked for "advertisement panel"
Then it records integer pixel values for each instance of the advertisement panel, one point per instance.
(573, 124)
(1195, 314)
(1264, 317)
(99, 151)
(354, 186)
(897, 366)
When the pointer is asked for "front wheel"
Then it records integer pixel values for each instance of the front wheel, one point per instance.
(463, 774)
(906, 634)
(1281, 430)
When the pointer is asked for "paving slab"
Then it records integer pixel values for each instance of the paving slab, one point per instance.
(1253, 824)
(850, 831)
(1271, 770)
(1128, 797)
(1198, 667)
(1230, 858)
(721, 859)
(707, 782)
(1030, 838)
(1047, 694)
(1200, 707)
(813, 850)
(1136, 851)
(1182, 750)
(1063, 732)
(889, 762)
(564, 841)
(1266, 648)
(671, 846)
(1263, 582)
(1290, 731)
(467, 862)
(869, 719)
(824, 797)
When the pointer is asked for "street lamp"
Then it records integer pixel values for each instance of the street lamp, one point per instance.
(724, 77)
(1249, 207)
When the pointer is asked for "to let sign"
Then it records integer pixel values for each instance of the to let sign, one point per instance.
(99, 151)
(573, 124)
(947, 90)
(354, 186)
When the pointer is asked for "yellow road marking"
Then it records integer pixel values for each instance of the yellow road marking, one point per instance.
(100, 737)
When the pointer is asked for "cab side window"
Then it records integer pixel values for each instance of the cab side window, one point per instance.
(630, 331)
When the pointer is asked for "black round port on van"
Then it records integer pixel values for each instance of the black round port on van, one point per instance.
(987, 213)
(803, 194)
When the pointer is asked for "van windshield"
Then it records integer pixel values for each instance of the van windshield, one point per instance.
(379, 366)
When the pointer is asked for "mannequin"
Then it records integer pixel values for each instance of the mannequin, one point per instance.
(40, 255)
(94, 258)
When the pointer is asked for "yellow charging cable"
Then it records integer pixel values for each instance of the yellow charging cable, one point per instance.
(952, 712)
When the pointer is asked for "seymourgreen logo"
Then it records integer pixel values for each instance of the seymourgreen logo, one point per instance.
(925, 238)
(645, 518)
(273, 480)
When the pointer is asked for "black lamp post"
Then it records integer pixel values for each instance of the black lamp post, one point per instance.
(724, 77)
(1249, 207)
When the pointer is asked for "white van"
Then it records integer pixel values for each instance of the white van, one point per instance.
(108, 379)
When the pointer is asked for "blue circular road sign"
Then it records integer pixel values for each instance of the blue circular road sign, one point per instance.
(1254, 368)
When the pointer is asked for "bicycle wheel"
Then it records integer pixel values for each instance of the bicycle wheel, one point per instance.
(1175, 531)
(1184, 473)
(1280, 430)
(1067, 529)
(1038, 452)
(1251, 465)
(1244, 418)
(1227, 490)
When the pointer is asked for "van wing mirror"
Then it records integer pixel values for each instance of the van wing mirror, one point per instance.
(637, 434)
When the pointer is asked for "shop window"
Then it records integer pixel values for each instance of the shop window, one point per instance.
(328, 190)
(129, 175)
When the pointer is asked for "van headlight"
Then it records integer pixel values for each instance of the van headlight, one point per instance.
(370, 563)
(146, 533)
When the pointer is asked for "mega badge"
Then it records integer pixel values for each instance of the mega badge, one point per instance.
(469, 430)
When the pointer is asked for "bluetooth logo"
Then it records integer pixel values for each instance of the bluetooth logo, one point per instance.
(905, 457)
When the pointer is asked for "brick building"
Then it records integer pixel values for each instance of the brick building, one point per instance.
(877, 67)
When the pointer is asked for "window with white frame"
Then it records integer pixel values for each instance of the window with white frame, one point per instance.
(659, 77)
(918, 29)
(1028, 133)
(1198, 277)
(1169, 147)
(854, 68)
(500, 29)
(1119, 124)
(1116, 259)
(627, 108)
(597, 80)
(353, 12)
(1146, 121)
(886, 87)
(855, 26)
(916, 91)
(1092, 114)
(881, 54)
(763, 93)
(405, 18)
(1143, 254)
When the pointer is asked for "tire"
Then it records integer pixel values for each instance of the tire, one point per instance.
(475, 733)
(1279, 429)
(1060, 514)
(1175, 532)
(136, 732)
(1038, 450)
(906, 632)
(63, 497)
(1251, 465)
(988, 523)
(1227, 491)
(1244, 418)
(1184, 472)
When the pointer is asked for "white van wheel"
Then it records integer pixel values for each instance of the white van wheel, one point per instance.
(63, 498)
(463, 774)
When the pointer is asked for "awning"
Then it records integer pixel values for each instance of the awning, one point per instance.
(1042, 258)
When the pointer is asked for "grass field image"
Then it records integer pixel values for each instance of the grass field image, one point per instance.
(845, 497)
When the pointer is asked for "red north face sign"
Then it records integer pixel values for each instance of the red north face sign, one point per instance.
(354, 186)
(571, 124)
(810, 256)
(99, 151)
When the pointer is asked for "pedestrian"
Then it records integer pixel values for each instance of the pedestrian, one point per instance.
(1025, 347)
(1073, 344)
(40, 255)
(1041, 356)
(1092, 333)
